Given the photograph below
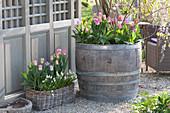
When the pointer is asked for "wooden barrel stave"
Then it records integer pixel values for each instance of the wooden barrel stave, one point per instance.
(108, 73)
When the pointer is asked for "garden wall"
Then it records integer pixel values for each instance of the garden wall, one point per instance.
(29, 30)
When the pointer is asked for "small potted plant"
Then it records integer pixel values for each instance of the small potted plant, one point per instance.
(108, 57)
(49, 84)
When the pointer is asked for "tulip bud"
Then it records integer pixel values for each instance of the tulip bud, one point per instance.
(100, 14)
(56, 62)
(59, 51)
(104, 17)
(51, 67)
(120, 17)
(51, 58)
(119, 26)
(76, 31)
(35, 62)
(40, 67)
(108, 19)
(64, 52)
(42, 60)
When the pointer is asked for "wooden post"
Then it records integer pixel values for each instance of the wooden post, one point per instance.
(79, 9)
(2, 85)
(72, 40)
(50, 39)
(27, 38)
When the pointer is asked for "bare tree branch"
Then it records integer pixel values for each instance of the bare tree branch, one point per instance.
(97, 5)
(127, 13)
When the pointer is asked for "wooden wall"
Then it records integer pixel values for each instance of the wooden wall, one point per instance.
(29, 30)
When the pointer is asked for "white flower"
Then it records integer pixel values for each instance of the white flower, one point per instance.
(70, 71)
(54, 79)
(58, 74)
(43, 81)
(50, 77)
(62, 74)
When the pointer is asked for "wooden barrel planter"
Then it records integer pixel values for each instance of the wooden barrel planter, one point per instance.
(109, 73)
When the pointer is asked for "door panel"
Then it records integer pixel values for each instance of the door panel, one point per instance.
(13, 64)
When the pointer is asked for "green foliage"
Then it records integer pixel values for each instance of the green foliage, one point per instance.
(143, 55)
(126, 35)
(87, 12)
(106, 31)
(85, 4)
(81, 34)
(152, 104)
(101, 34)
(50, 75)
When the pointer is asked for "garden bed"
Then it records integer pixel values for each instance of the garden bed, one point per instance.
(149, 83)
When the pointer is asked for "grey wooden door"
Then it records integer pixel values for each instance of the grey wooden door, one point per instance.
(29, 30)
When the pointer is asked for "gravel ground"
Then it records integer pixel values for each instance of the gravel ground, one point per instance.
(149, 82)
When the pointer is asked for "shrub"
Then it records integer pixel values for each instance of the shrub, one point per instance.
(152, 104)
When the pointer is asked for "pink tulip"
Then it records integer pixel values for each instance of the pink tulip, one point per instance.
(169, 104)
(86, 30)
(104, 17)
(94, 19)
(51, 58)
(100, 19)
(42, 60)
(126, 20)
(51, 67)
(123, 5)
(97, 21)
(57, 56)
(76, 31)
(100, 14)
(119, 26)
(56, 62)
(35, 62)
(40, 67)
(64, 52)
(82, 28)
(136, 21)
(78, 22)
(108, 19)
(135, 30)
(59, 51)
(120, 17)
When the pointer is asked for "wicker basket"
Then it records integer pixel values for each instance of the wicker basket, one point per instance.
(43, 100)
